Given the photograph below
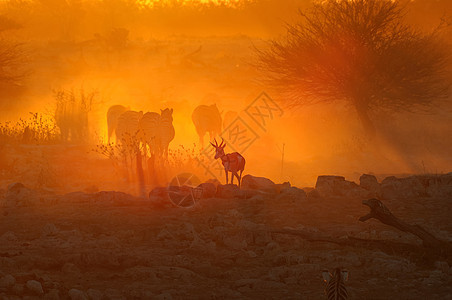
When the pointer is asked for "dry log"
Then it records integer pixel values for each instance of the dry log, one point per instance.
(380, 212)
(431, 249)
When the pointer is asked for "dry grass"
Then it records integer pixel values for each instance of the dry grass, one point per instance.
(37, 129)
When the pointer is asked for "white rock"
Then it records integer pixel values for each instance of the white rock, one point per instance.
(35, 287)
(75, 294)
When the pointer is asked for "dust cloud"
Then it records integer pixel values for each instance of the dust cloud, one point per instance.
(151, 55)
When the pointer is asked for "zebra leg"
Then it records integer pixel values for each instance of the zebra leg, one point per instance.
(110, 133)
(240, 178)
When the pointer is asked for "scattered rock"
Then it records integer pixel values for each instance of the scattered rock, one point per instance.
(75, 294)
(393, 187)
(18, 289)
(228, 191)
(49, 230)
(164, 234)
(443, 266)
(70, 268)
(164, 296)
(235, 242)
(113, 197)
(159, 193)
(9, 236)
(257, 183)
(7, 281)
(417, 186)
(313, 194)
(208, 190)
(215, 181)
(19, 195)
(52, 295)
(35, 287)
(370, 183)
(15, 187)
(328, 185)
(113, 294)
(292, 193)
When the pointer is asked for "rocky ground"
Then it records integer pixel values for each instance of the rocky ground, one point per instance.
(110, 245)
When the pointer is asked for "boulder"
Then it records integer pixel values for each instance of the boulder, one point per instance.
(292, 193)
(393, 187)
(257, 183)
(94, 294)
(228, 191)
(50, 230)
(35, 287)
(208, 190)
(437, 185)
(7, 281)
(15, 187)
(215, 181)
(161, 192)
(417, 186)
(19, 195)
(113, 197)
(370, 183)
(281, 186)
(53, 294)
(313, 193)
(75, 294)
(328, 185)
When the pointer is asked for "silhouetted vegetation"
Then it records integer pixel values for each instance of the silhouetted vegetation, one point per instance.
(71, 114)
(37, 129)
(360, 52)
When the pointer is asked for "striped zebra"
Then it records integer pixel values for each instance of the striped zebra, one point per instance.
(166, 130)
(113, 114)
(149, 131)
(127, 128)
(335, 284)
(207, 119)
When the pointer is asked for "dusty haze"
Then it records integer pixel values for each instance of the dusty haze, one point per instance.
(180, 56)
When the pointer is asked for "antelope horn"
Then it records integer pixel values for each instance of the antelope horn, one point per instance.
(222, 143)
(216, 144)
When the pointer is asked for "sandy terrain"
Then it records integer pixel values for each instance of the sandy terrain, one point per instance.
(110, 245)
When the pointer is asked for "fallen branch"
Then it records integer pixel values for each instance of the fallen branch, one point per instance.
(380, 212)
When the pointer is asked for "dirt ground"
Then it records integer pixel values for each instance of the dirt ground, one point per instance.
(111, 246)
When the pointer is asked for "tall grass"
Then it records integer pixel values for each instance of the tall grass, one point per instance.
(37, 129)
(71, 114)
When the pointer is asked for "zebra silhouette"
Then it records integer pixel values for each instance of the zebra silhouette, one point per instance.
(207, 119)
(149, 132)
(166, 131)
(128, 127)
(113, 114)
(335, 284)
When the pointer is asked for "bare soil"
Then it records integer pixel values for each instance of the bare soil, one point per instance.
(114, 248)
